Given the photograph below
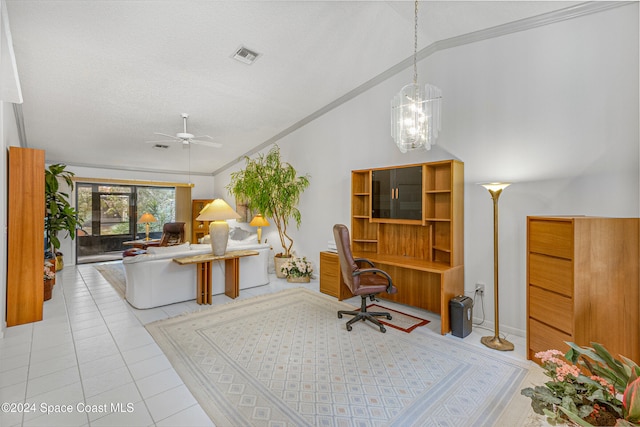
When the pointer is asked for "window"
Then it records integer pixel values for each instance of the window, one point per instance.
(108, 217)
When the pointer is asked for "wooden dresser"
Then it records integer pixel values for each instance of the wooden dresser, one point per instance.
(583, 284)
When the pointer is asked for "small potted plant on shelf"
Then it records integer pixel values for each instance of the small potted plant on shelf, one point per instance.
(297, 270)
(272, 188)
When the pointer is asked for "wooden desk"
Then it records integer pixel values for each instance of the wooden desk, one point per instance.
(231, 273)
(420, 283)
(142, 243)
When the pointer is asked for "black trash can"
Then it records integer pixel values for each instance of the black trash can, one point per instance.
(461, 315)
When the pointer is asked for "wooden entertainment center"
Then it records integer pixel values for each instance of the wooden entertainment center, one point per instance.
(423, 254)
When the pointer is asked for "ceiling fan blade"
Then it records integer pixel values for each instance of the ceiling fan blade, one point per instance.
(167, 135)
(202, 136)
(161, 141)
(207, 143)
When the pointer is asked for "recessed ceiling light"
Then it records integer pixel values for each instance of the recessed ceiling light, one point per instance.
(245, 55)
(160, 146)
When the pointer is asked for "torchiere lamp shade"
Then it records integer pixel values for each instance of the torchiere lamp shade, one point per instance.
(218, 212)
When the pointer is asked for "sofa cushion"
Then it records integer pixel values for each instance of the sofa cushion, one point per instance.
(163, 250)
(238, 233)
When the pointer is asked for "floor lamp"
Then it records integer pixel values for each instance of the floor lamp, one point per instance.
(495, 342)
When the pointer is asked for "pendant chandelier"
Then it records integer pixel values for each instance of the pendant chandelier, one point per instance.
(415, 111)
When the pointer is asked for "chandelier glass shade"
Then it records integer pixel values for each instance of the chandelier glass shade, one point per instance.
(415, 117)
(415, 111)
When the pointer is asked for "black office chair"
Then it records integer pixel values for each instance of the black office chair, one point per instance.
(366, 282)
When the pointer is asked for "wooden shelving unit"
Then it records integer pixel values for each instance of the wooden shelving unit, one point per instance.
(424, 257)
(199, 229)
(25, 236)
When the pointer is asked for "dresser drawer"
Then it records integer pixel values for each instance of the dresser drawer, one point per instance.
(552, 309)
(554, 274)
(553, 238)
(543, 337)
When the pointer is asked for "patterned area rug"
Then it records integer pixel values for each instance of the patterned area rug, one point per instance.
(114, 274)
(402, 321)
(285, 359)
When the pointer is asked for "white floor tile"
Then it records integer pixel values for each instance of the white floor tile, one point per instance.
(139, 416)
(170, 402)
(101, 366)
(107, 381)
(158, 382)
(141, 353)
(56, 401)
(123, 396)
(192, 416)
(53, 381)
(149, 367)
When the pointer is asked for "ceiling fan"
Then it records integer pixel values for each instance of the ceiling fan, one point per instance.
(187, 138)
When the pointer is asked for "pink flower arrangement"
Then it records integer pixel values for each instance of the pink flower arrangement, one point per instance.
(608, 395)
(49, 273)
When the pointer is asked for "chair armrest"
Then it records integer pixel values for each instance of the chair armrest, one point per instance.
(365, 261)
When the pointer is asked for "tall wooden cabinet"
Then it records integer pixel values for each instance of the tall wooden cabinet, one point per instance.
(583, 284)
(199, 229)
(424, 256)
(25, 236)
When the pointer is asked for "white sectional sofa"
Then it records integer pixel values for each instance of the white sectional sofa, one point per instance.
(154, 279)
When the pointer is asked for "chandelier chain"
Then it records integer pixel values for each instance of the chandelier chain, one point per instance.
(415, 45)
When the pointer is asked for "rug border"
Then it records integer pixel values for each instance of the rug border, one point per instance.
(408, 330)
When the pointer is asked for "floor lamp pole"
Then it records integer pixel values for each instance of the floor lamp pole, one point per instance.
(495, 342)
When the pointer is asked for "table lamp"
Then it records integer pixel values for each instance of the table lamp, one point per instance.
(218, 212)
(259, 221)
(147, 218)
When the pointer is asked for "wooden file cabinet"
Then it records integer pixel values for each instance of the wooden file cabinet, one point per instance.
(331, 282)
(582, 284)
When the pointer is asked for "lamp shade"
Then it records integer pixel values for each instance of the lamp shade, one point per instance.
(259, 221)
(218, 210)
(495, 186)
(147, 217)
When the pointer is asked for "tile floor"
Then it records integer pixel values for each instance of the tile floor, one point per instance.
(91, 362)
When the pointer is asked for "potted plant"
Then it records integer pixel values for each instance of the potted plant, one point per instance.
(272, 188)
(297, 270)
(49, 276)
(59, 215)
(588, 387)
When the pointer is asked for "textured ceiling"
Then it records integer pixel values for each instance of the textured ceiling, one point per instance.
(100, 77)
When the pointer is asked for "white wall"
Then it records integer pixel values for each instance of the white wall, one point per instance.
(553, 109)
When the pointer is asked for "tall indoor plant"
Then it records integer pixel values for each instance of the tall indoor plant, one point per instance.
(59, 214)
(272, 188)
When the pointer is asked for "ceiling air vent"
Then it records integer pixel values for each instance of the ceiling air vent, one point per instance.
(160, 146)
(246, 56)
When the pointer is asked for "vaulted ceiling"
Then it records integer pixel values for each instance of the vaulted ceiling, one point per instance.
(100, 77)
